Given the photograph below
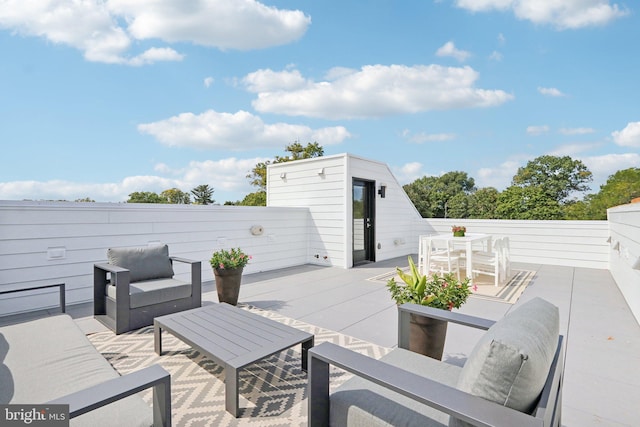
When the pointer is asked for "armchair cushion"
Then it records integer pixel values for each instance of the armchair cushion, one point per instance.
(510, 363)
(143, 263)
(150, 292)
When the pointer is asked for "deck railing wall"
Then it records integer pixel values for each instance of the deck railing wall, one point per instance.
(45, 243)
(624, 252)
(568, 243)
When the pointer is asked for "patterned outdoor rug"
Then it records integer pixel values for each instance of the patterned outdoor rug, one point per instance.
(508, 292)
(272, 391)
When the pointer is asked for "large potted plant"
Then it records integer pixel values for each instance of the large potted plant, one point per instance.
(227, 268)
(445, 292)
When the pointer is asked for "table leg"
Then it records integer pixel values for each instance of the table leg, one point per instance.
(63, 304)
(231, 390)
(470, 261)
(157, 338)
(306, 345)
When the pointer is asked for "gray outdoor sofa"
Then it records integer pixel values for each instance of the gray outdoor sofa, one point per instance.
(137, 285)
(51, 361)
(513, 377)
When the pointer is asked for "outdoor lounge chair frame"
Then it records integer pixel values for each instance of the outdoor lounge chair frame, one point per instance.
(464, 406)
(118, 315)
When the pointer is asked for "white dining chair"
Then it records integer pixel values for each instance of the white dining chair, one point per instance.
(491, 263)
(440, 257)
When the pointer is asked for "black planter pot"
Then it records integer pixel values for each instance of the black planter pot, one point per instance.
(228, 284)
(427, 336)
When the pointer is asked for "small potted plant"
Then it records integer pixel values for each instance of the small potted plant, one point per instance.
(458, 230)
(227, 268)
(427, 335)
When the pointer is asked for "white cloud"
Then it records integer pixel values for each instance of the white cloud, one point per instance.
(495, 56)
(105, 30)
(237, 131)
(156, 54)
(537, 130)
(550, 91)
(499, 177)
(629, 136)
(208, 81)
(226, 176)
(571, 149)
(238, 24)
(408, 172)
(606, 165)
(373, 91)
(449, 49)
(566, 14)
(576, 131)
(502, 40)
(422, 137)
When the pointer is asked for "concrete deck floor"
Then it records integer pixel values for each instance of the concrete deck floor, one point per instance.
(602, 371)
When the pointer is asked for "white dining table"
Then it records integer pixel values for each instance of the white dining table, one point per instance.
(469, 239)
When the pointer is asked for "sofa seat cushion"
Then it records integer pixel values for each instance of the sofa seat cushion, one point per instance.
(359, 402)
(44, 359)
(143, 263)
(150, 292)
(511, 362)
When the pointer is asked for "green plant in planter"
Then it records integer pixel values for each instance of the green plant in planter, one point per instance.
(438, 291)
(228, 259)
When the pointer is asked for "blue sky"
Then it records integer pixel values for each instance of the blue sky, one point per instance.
(101, 98)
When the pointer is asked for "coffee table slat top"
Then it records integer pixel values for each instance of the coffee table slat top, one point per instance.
(232, 335)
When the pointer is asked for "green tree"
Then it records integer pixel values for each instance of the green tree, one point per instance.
(175, 196)
(530, 202)
(458, 206)
(558, 177)
(85, 200)
(258, 175)
(619, 189)
(258, 198)
(483, 203)
(431, 195)
(145, 197)
(202, 195)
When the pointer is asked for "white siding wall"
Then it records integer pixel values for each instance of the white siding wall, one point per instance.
(323, 194)
(396, 216)
(329, 200)
(624, 252)
(84, 231)
(570, 243)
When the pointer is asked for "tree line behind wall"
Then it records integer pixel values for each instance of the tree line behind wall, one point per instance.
(547, 188)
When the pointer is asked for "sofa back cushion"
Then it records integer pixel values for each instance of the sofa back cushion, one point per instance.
(511, 362)
(144, 263)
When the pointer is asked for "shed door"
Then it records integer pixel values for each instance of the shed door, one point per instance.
(363, 221)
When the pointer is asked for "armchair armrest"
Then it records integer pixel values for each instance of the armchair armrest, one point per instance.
(110, 391)
(404, 316)
(196, 278)
(461, 405)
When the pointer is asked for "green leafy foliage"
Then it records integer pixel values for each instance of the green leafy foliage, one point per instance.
(258, 175)
(202, 195)
(175, 196)
(438, 291)
(145, 197)
(229, 258)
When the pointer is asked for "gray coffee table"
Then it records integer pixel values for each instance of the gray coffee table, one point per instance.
(233, 338)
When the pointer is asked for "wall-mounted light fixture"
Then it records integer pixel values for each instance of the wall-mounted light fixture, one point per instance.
(283, 175)
(382, 191)
(321, 171)
(616, 245)
(636, 265)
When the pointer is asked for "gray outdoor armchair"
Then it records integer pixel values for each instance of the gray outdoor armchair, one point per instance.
(137, 285)
(513, 377)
